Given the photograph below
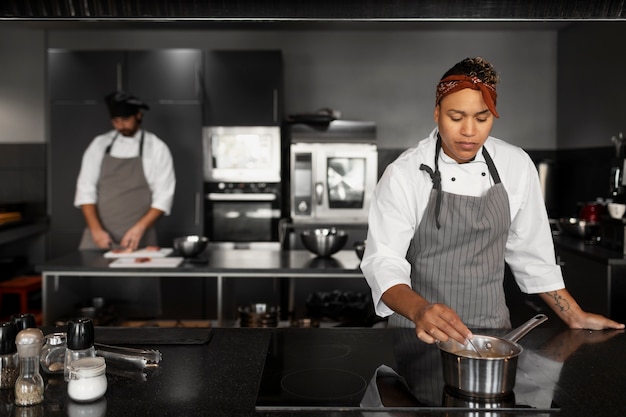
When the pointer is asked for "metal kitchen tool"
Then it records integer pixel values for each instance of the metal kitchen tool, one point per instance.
(475, 348)
(136, 358)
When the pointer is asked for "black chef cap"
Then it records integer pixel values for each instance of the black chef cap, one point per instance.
(123, 104)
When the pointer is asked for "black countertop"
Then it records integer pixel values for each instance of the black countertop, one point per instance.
(592, 251)
(222, 376)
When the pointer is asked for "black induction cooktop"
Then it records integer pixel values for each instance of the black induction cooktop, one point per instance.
(343, 368)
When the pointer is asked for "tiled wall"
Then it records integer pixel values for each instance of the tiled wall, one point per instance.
(23, 176)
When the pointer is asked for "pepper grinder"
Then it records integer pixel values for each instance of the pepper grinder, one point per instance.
(9, 359)
(29, 384)
(24, 321)
(80, 340)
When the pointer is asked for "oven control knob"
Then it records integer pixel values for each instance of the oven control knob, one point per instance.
(303, 207)
(221, 185)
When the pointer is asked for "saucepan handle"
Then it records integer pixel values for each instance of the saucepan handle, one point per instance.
(521, 331)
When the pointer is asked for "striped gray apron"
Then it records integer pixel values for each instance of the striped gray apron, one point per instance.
(124, 196)
(457, 253)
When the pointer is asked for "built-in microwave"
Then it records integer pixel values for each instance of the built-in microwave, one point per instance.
(332, 181)
(242, 154)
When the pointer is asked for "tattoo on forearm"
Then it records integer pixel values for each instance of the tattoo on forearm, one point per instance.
(560, 302)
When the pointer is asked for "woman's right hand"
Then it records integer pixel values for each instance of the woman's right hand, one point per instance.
(433, 321)
(438, 322)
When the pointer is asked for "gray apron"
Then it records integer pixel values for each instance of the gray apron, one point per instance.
(123, 198)
(457, 253)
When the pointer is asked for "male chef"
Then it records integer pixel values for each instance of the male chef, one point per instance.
(126, 181)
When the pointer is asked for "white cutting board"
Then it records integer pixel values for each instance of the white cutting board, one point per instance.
(140, 253)
(171, 262)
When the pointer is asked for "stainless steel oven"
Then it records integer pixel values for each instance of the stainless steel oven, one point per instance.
(333, 172)
(242, 154)
(242, 173)
(242, 214)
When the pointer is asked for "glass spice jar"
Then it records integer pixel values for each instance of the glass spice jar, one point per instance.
(88, 381)
(52, 357)
(29, 384)
(80, 340)
(9, 359)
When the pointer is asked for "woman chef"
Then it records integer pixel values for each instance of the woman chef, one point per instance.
(448, 213)
(126, 181)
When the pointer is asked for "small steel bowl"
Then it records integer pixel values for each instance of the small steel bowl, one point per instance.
(324, 241)
(190, 246)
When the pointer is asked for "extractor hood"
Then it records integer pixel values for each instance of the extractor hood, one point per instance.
(307, 10)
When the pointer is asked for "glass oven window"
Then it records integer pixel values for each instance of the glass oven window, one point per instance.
(345, 182)
(243, 222)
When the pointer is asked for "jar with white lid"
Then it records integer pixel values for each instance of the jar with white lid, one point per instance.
(88, 381)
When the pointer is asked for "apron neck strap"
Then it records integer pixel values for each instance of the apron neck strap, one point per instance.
(108, 149)
(435, 175)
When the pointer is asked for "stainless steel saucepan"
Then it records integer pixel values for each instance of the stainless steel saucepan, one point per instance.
(490, 372)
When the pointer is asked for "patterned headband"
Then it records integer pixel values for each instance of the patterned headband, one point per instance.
(453, 83)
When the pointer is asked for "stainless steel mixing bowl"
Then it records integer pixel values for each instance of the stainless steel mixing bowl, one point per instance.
(190, 246)
(324, 241)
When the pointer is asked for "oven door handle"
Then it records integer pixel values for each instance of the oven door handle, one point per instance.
(241, 197)
(319, 193)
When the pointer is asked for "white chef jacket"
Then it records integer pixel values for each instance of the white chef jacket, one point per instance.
(401, 197)
(158, 167)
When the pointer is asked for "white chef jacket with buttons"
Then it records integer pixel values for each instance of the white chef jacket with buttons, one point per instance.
(158, 167)
(401, 197)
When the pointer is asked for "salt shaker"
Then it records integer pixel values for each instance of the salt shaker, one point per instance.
(80, 339)
(9, 359)
(52, 358)
(88, 381)
(29, 384)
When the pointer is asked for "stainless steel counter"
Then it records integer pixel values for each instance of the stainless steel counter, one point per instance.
(215, 264)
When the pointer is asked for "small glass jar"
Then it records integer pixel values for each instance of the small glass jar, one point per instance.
(52, 356)
(88, 381)
(80, 340)
(9, 359)
(29, 384)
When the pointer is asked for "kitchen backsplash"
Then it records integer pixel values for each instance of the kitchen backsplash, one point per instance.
(582, 175)
(23, 176)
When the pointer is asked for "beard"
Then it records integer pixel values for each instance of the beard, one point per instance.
(129, 133)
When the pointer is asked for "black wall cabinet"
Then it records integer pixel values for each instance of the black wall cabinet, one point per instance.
(84, 76)
(166, 75)
(243, 88)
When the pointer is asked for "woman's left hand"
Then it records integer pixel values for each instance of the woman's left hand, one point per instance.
(591, 321)
(564, 305)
